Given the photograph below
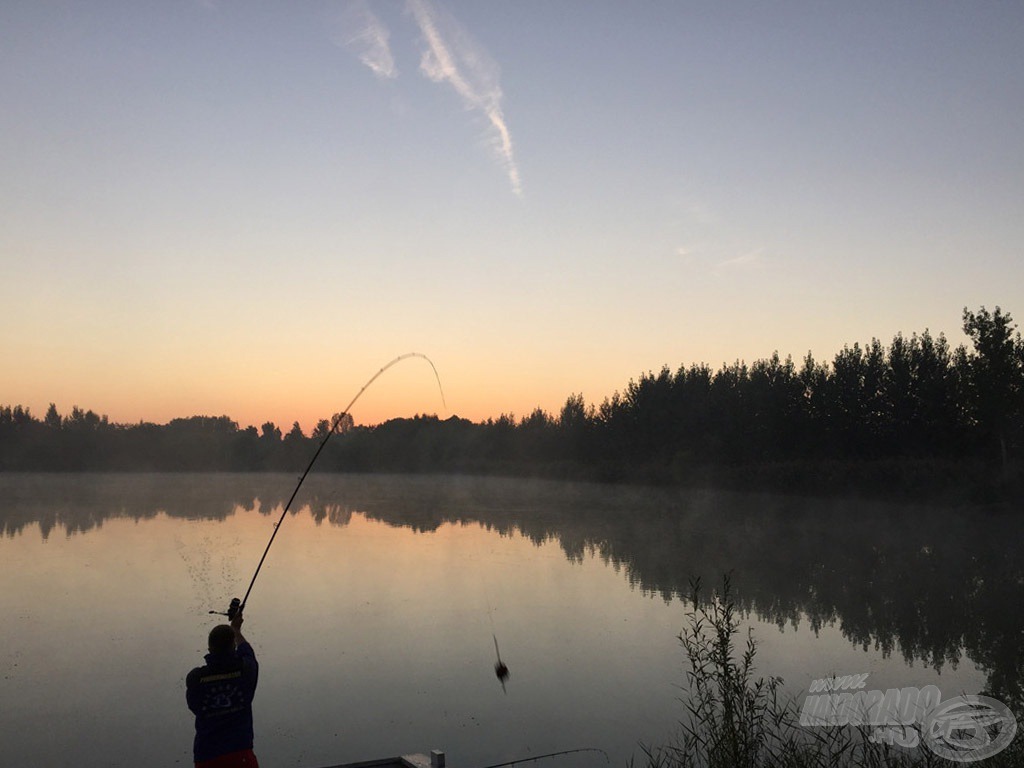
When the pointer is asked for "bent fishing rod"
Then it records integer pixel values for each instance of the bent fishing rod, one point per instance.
(237, 606)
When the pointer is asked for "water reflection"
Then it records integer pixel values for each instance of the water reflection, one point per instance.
(928, 584)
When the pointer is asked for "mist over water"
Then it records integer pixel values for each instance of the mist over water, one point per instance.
(374, 613)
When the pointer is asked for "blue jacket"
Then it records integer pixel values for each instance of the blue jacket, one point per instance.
(220, 694)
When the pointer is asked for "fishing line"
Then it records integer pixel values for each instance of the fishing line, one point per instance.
(500, 667)
(551, 754)
(238, 605)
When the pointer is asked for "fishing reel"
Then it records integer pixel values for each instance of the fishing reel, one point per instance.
(232, 611)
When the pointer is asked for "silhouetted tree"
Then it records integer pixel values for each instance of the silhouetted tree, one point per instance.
(911, 414)
(575, 426)
(246, 451)
(52, 418)
(996, 376)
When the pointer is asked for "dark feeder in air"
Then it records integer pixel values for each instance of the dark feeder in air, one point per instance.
(500, 668)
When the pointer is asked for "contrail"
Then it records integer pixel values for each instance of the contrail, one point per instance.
(452, 56)
(367, 37)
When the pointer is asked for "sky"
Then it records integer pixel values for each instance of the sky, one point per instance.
(247, 208)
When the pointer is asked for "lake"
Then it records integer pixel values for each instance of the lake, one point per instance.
(375, 614)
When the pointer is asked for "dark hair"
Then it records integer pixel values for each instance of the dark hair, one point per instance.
(222, 639)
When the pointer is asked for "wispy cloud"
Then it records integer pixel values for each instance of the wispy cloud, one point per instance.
(449, 55)
(721, 260)
(452, 56)
(713, 244)
(749, 260)
(365, 35)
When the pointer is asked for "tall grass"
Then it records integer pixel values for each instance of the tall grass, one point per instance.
(733, 719)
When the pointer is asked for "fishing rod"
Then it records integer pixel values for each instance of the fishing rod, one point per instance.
(239, 605)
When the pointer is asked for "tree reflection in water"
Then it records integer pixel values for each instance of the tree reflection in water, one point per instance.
(930, 584)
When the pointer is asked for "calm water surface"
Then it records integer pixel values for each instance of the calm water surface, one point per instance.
(374, 613)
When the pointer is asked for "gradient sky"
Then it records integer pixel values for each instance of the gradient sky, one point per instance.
(247, 208)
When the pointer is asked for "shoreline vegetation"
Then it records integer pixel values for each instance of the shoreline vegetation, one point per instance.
(735, 719)
(915, 419)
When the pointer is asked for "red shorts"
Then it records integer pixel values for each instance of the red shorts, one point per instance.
(242, 759)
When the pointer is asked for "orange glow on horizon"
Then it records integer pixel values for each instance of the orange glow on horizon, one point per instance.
(475, 389)
(254, 381)
(287, 408)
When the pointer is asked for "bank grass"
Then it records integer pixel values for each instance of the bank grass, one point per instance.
(734, 719)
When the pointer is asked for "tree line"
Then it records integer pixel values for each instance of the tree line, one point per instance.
(910, 414)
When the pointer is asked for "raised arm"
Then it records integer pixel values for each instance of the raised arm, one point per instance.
(236, 624)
